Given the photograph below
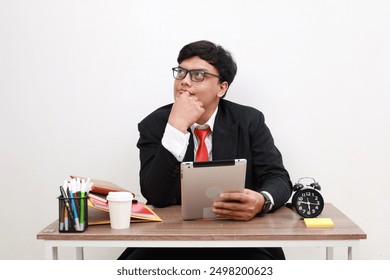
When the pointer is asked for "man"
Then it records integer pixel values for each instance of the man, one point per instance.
(202, 78)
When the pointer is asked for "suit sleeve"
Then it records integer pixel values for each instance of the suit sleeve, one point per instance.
(160, 170)
(269, 172)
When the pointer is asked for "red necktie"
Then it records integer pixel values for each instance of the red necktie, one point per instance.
(202, 154)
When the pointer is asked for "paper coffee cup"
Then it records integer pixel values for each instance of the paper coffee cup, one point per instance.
(119, 205)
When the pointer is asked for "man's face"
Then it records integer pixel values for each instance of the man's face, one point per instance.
(209, 91)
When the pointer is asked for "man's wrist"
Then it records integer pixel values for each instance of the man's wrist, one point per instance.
(268, 203)
(179, 125)
(175, 141)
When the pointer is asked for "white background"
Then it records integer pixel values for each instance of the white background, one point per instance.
(77, 76)
(194, 270)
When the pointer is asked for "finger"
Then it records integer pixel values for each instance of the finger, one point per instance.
(229, 206)
(232, 196)
(201, 109)
(182, 93)
(230, 214)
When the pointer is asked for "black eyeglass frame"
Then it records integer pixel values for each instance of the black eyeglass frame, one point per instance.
(174, 69)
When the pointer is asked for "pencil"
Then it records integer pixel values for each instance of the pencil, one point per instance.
(66, 219)
(61, 210)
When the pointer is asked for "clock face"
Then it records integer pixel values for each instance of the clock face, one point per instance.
(308, 203)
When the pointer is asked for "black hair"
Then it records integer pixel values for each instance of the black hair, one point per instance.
(215, 55)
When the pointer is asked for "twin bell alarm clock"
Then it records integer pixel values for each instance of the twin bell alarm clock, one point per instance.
(307, 199)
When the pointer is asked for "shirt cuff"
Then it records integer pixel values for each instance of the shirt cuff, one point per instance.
(175, 141)
(270, 197)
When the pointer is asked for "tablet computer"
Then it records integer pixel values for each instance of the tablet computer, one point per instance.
(202, 182)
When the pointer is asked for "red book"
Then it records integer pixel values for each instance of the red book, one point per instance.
(140, 212)
(97, 196)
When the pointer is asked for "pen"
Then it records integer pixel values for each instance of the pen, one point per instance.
(88, 185)
(66, 200)
(82, 204)
(75, 215)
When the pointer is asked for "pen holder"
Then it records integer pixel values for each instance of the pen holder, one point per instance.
(73, 214)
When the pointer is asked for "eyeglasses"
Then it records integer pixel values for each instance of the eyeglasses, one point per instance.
(196, 75)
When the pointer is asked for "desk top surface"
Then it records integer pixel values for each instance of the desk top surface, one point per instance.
(284, 224)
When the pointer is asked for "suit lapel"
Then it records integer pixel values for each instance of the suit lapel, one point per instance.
(225, 136)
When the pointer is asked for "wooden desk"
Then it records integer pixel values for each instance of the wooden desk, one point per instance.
(281, 229)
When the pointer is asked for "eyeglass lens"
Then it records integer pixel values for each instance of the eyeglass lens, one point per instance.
(195, 75)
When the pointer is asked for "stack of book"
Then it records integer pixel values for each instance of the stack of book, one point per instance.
(98, 212)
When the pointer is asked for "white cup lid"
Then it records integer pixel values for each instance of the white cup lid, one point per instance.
(120, 196)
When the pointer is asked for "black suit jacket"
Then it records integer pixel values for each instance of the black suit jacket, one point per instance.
(239, 132)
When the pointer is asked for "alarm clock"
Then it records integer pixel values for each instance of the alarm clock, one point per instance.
(307, 199)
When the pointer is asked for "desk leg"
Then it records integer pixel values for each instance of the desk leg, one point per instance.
(79, 253)
(353, 252)
(329, 253)
(51, 252)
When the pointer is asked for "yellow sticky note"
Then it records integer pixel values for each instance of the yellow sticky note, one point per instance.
(319, 222)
